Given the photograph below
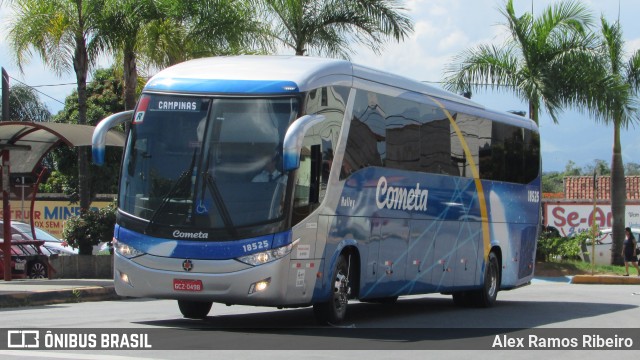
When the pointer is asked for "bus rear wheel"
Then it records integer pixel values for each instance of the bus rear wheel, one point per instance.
(486, 297)
(194, 309)
(334, 311)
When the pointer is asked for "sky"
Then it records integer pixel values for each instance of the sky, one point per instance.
(443, 29)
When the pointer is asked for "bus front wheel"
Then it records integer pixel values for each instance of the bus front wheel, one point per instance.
(335, 310)
(194, 309)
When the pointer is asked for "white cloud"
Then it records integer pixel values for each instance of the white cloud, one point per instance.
(453, 41)
(632, 46)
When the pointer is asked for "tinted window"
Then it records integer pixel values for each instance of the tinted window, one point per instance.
(398, 133)
(511, 154)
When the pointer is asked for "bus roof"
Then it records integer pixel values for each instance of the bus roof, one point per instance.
(303, 72)
(282, 74)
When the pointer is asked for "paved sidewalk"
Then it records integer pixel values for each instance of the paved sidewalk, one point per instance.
(31, 292)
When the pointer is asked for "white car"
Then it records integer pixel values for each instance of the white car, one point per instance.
(52, 245)
(603, 246)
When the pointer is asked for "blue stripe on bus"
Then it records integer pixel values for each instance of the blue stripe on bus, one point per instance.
(425, 246)
(222, 86)
(207, 250)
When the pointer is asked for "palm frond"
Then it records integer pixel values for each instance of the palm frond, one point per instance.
(330, 27)
(633, 71)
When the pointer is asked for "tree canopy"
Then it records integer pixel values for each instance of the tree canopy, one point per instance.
(330, 27)
(537, 61)
(104, 98)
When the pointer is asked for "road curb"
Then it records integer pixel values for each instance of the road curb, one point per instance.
(48, 297)
(605, 279)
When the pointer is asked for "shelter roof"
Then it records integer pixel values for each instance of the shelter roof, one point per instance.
(30, 141)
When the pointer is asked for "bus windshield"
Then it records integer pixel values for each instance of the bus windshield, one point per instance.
(206, 162)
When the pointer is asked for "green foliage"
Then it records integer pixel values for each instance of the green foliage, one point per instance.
(199, 28)
(571, 169)
(538, 62)
(90, 228)
(551, 246)
(104, 98)
(553, 181)
(328, 27)
(599, 166)
(631, 169)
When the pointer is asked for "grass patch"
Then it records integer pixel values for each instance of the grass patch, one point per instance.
(574, 267)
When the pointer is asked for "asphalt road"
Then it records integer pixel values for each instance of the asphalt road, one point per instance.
(422, 326)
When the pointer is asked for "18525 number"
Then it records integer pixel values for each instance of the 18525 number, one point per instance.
(264, 244)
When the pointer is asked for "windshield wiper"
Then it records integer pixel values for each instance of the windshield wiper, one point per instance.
(210, 184)
(177, 186)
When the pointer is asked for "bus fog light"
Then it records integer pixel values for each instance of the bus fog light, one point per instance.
(125, 278)
(259, 286)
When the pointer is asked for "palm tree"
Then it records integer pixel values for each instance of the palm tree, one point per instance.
(534, 61)
(61, 32)
(326, 27)
(617, 104)
(198, 28)
(120, 28)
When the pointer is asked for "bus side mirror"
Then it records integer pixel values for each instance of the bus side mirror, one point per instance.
(99, 139)
(293, 139)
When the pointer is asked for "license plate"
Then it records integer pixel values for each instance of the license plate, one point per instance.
(187, 285)
(19, 266)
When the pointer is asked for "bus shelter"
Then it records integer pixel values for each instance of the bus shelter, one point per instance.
(23, 146)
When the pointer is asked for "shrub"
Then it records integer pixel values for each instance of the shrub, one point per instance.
(90, 228)
(551, 246)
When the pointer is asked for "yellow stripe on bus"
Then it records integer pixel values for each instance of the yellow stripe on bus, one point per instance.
(476, 178)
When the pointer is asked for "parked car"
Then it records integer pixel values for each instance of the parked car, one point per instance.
(27, 260)
(52, 245)
(603, 246)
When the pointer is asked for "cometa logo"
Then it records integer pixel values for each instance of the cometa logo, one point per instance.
(399, 198)
(190, 235)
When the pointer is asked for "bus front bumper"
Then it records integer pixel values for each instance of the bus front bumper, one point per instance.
(263, 285)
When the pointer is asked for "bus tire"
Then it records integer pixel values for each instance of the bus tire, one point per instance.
(486, 297)
(194, 309)
(334, 311)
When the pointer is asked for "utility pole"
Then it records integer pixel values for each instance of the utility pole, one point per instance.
(5, 95)
(6, 206)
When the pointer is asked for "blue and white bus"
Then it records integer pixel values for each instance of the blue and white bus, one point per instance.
(294, 181)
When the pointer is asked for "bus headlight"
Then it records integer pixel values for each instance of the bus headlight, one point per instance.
(266, 256)
(126, 250)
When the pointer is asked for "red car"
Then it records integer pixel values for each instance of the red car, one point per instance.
(26, 260)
